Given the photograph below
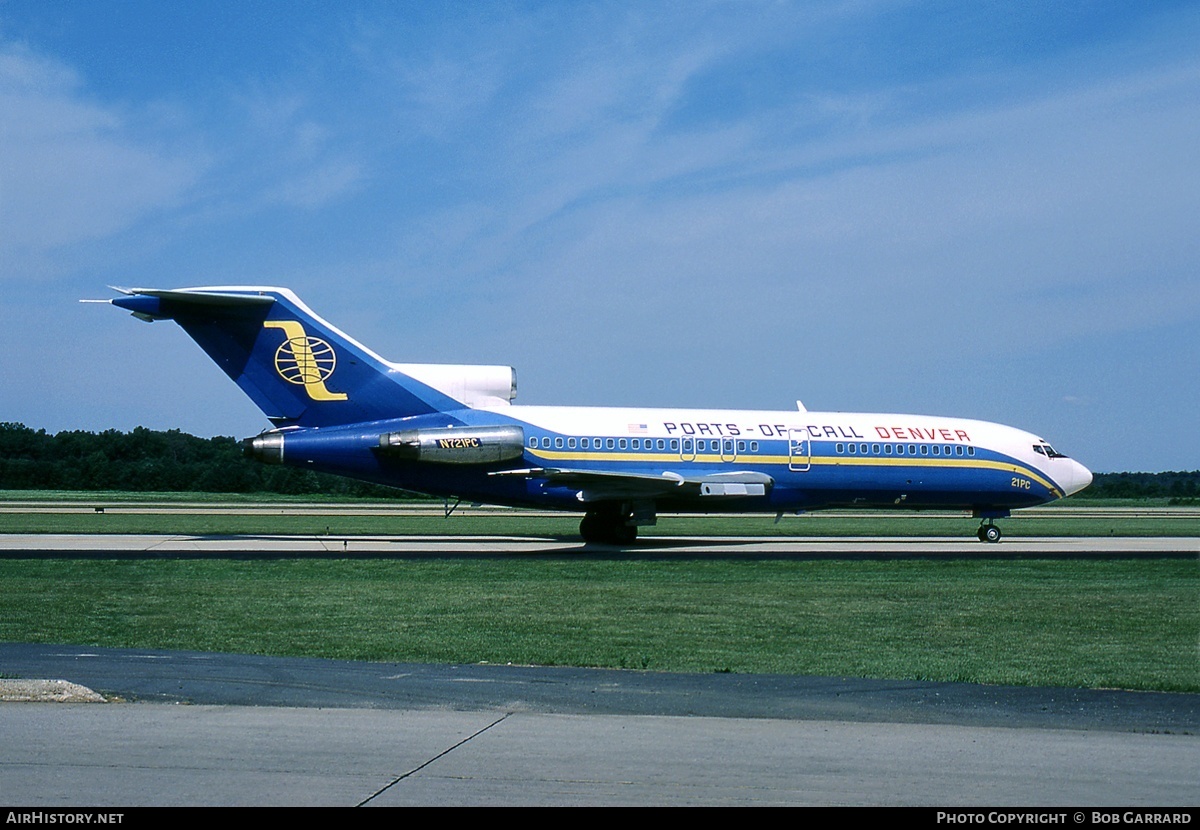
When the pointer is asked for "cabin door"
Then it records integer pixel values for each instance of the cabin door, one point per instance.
(799, 450)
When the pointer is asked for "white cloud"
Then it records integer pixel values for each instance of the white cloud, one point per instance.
(946, 229)
(641, 205)
(71, 170)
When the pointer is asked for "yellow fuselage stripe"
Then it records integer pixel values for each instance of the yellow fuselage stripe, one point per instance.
(814, 461)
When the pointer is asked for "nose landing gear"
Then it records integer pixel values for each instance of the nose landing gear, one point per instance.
(988, 532)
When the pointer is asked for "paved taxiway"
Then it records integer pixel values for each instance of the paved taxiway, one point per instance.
(107, 545)
(297, 731)
(200, 728)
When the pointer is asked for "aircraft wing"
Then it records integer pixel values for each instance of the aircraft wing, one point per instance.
(605, 485)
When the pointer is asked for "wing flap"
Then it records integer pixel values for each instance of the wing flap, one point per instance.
(605, 485)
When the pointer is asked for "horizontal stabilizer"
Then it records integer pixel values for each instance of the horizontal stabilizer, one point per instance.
(159, 304)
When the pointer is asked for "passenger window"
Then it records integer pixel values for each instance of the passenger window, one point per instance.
(674, 444)
(610, 443)
(636, 443)
(532, 443)
(970, 450)
(661, 444)
(570, 443)
(841, 448)
(558, 443)
(924, 449)
(875, 449)
(621, 443)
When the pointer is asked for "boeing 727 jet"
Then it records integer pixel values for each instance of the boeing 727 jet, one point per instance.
(453, 431)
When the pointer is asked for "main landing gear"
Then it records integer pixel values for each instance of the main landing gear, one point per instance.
(608, 526)
(988, 532)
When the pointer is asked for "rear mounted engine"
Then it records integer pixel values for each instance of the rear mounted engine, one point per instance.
(455, 445)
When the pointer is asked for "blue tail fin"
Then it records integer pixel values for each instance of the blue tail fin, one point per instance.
(297, 368)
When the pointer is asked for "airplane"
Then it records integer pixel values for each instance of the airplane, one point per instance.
(453, 431)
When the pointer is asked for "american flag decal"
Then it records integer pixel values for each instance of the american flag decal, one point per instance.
(637, 429)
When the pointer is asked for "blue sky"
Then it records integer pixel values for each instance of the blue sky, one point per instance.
(971, 209)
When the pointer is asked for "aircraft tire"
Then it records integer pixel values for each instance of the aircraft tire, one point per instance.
(991, 533)
(591, 528)
(623, 534)
(606, 528)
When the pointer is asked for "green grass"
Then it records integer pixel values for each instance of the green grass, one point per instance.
(509, 523)
(1100, 624)
(1151, 519)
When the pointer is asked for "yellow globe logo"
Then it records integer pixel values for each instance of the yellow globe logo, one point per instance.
(305, 360)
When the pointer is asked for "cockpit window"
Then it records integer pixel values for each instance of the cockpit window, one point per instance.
(1048, 451)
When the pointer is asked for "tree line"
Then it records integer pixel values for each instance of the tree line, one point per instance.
(173, 461)
(1179, 487)
(147, 460)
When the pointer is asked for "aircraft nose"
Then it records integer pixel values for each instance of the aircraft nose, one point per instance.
(1078, 478)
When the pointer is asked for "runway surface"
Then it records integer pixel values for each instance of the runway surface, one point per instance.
(187, 728)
